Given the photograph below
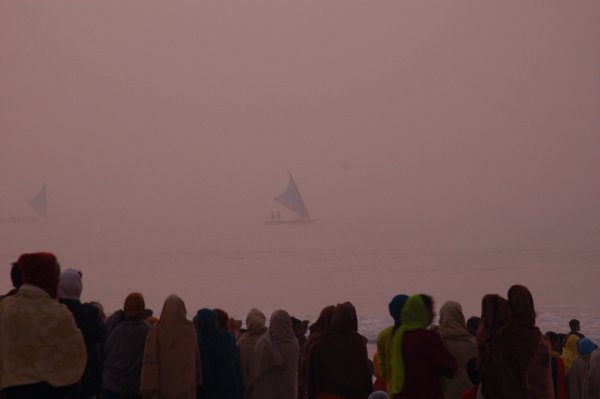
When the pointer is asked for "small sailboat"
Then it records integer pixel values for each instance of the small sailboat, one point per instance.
(39, 203)
(292, 199)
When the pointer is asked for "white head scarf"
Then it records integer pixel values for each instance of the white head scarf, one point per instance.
(70, 285)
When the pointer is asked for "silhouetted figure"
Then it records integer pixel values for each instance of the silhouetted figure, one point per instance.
(171, 366)
(124, 352)
(419, 355)
(338, 362)
(575, 327)
(384, 340)
(42, 352)
(89, 322)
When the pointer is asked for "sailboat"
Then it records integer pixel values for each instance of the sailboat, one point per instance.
(291, 199)
(39, 203)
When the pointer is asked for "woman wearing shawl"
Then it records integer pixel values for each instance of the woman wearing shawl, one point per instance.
(318, 331)
(171, 366)
(338, 364)
(42, 352)
(87, 317)
(124, 352)
(256, 327)
(419, 356)
(384, 339)
(221, 374)
(495, 318)
(577, 383)
(274, 369)
(539, 374)
(461, 344)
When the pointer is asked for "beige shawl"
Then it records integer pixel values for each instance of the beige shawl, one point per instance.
(461, 345)
(171, 367)
(255, 322)
(274, 370)
(39, 341)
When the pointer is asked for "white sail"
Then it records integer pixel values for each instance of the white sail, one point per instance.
(292, 200)
(39, 202)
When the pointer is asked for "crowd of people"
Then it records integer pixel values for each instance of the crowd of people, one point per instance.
(54, 346)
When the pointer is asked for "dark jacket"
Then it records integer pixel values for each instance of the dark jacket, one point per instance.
(87, 318)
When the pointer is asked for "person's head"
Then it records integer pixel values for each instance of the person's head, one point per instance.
(300, 327)
(323, 323)
(42, 270)
(428, 302)
(585, 346)
(495, 316)
(473, 324)
(378, 395)
(418, 312)
(345, 320)
(222, 318)
(15, 275)
(255, 320)
(574, 325)
(521, 305)
(280, 327)
(100, 308)
(395, 308)
(133, 308)
(70, 285)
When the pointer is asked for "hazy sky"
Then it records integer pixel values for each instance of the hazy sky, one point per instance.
(453, 111)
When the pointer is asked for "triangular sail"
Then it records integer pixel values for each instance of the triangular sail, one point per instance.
(38, 203)
(292, 200)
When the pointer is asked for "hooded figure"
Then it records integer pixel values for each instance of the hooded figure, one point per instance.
(221, 374)
(419, 356)
(384, 339)
(171, 366)
(461, 344)
(42, 352)
(124, 350)
(539, 371)
(274, 369)
(90, 323)
(256, 325)
(338, 363)
(317, 331)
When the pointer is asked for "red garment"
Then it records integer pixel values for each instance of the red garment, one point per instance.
(470, 393)
(558, 375)
(426, 360)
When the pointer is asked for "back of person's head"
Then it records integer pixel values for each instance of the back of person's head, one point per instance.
(473, 324)
(585, 346)
(300, 327)
(100, 308)
(395, 308)
(345, 320)
(42, 270)
(378, 395)
(574, 325)
(521, 305)
(133, 308)
(70, 285)
(472, 371)
(15, 275)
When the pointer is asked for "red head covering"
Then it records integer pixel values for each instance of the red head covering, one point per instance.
(134, 306)
(42, 270)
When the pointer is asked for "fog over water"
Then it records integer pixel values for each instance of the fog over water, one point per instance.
(450, 148)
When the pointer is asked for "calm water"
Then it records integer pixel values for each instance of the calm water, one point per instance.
(304, 268)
